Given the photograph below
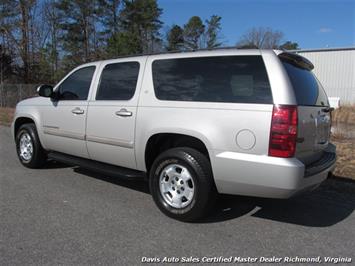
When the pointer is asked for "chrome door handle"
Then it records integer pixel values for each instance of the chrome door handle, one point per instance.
(77, 111)
(123, 112)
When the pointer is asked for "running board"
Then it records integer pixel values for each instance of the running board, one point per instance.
(99, 167)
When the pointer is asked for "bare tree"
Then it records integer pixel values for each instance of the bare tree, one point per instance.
(110, 10)
(262, 38)
(19, 22)
(39, 33)
(53, 20)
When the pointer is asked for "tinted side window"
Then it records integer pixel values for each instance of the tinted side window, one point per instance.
(307, 88)
(236, 79)
(77, 85)
(118, 81)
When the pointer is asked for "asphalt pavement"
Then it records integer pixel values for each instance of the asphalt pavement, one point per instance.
(71, 216)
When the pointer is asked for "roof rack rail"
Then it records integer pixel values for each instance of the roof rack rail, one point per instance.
(184, 51)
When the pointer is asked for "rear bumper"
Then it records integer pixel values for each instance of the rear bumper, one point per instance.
(264, 176)
(328, 160)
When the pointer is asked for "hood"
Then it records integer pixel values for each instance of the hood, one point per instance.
(34, 101)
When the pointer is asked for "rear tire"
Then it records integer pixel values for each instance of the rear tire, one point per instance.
(29, 149)
(181, 184)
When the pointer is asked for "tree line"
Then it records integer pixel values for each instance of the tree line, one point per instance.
(40, 40)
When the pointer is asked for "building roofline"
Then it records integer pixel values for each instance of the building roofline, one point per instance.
(323, 49)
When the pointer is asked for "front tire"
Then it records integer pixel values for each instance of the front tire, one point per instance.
(181, 184)
(29, 149)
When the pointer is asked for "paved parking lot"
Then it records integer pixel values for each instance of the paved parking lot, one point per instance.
(66, 215)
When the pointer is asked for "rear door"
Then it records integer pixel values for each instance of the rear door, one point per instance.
(112, 112)
(313, 108)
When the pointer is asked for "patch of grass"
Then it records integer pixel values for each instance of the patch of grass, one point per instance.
(6, 116)
(344, 114)
(345, 165)
(338, 135)
(343, 120)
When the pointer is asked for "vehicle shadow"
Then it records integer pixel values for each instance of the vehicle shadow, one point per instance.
(329, 204)
(134, 184)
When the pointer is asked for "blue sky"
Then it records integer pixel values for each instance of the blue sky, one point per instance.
(313, 24)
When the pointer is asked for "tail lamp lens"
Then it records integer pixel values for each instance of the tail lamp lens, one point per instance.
(283, 132)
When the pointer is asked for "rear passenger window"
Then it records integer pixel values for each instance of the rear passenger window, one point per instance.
(307, 88)
(118, 81)
(235, 79)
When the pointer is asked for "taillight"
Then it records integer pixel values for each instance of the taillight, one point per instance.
(283, 132)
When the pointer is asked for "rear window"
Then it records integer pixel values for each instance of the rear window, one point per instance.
(307, 88)
(235, 79)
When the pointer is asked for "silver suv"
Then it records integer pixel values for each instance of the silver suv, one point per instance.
(246, 122)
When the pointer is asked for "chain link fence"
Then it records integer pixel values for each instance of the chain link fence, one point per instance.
(11, 94)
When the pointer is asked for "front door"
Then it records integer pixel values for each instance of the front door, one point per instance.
(112, 113)
(64, 120)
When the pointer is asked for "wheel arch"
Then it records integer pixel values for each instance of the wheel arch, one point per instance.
(21, 119)
(161, 141)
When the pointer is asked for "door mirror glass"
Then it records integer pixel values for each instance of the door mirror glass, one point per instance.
(45, 91)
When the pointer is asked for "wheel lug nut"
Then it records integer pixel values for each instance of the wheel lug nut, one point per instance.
(172, 182)
(176, 178)
(182, 188)
(178, 191)
(173, 188)
(181, 182)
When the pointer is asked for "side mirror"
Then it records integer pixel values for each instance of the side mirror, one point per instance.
(45, 91)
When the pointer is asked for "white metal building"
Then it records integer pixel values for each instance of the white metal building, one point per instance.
(335, 69)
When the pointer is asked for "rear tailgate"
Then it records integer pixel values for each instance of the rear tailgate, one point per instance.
(313, 109)
(313, 133)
